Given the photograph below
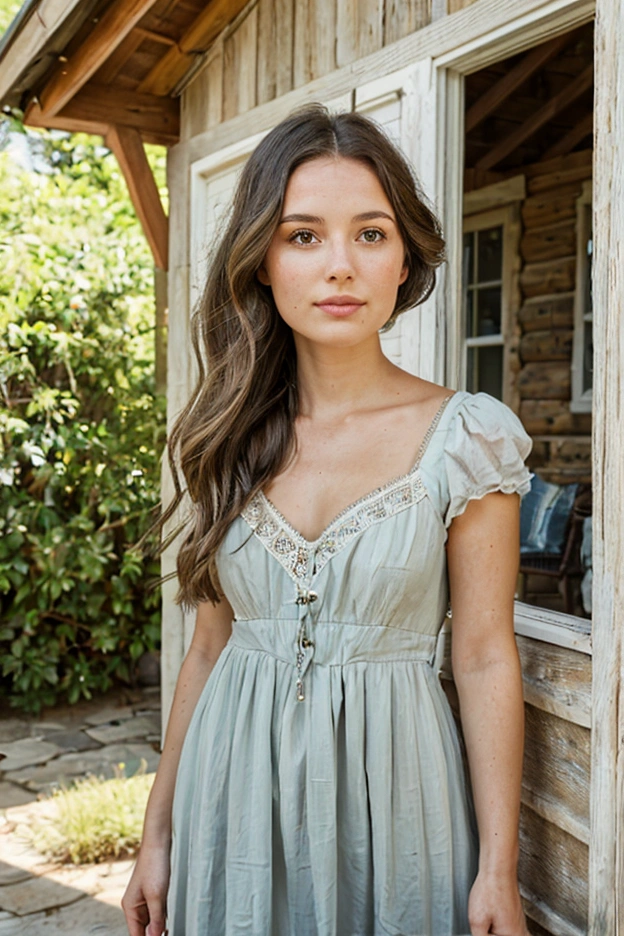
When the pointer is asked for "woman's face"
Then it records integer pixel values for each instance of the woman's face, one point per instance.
(337, 259)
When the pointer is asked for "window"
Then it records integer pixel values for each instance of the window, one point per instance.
(483, 286)
(489, 298)
(583, 348)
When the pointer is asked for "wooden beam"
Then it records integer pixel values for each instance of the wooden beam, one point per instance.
(567, 142)
(104, 38)
(33, 117)
(107, 72)
(554, 106)
(143, 112)
(505, 86)
(215, 16)
(606, 856)
(128, 148)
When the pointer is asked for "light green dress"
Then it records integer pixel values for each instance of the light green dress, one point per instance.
(321, 789)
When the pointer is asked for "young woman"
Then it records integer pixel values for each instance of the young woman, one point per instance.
(337, 503)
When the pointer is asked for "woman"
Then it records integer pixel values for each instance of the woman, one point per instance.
(320, 786)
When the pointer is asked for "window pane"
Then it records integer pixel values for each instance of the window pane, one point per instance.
(468, 259)
(488, 317)
(485, 370)
(469, 297)
(490, 254)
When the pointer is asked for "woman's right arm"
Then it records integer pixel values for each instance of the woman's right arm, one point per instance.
(144, 900)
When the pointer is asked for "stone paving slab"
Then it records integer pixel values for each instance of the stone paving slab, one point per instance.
(101, 762)
(13, 795)
(34, 894)
(25, 752)
(111, 714)
(13, 728)
(86, 917)
(73, 740)
(127, 730)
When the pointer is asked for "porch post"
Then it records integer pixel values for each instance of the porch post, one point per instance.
(606, 871)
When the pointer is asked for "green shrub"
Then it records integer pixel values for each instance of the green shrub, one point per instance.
(81, 428)
(95, 820)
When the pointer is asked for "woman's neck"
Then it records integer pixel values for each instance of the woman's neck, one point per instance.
(334, 381)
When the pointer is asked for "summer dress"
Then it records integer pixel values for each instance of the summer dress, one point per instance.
(321, 789)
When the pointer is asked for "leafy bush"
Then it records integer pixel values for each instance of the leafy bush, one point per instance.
(95, 820)
(81, 428)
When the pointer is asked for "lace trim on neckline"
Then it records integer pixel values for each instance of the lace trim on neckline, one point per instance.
(303, 559)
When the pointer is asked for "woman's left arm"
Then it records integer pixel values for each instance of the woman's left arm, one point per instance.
(483, 559)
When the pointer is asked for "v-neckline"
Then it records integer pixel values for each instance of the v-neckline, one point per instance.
(386, 486)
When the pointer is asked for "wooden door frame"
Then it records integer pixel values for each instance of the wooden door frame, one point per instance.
(447, 51)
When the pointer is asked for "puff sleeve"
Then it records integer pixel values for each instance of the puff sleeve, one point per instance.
(485, 451)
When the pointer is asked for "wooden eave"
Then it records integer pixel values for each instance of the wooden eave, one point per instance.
(110, 67)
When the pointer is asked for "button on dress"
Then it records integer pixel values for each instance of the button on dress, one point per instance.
(321, 789)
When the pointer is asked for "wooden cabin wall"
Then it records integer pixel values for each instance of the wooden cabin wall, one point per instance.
(275, 46)
(554, 814)
(562, 439)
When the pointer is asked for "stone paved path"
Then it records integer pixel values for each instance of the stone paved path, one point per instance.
(38, 898)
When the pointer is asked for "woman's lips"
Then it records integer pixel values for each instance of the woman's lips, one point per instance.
(340, 310)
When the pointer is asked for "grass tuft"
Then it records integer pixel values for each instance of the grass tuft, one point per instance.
(94, 820)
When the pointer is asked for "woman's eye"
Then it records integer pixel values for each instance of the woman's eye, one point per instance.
(376, 235)
(306, 235)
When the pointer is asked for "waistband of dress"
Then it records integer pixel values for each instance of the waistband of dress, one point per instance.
(335, 643)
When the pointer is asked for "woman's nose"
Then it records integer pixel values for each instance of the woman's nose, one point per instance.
(340, 261)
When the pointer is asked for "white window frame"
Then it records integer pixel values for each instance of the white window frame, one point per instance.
(507, 217)
(581, 401)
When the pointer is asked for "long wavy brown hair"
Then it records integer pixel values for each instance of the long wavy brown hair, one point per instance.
(236, 432)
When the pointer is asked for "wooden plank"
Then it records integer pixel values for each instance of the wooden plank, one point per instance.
(359, 29)
(498, 93)
(556, 311)
(543, 921)
(314, 56)
(114, 25)
(483, 33)
(606, 871)
(549, 416)
(107, 72)
(34, 118)
(48, 17)
(495, 195)
(549, 345)
(240, 51)
(275, 48)
(167, 72)
(556, 771)
(548, 276)
(543, 115)
(553, 868)
(573, 137)
(549, 242)
(561, 170)
(128, 148)
(545, 380)
(560, 675)
(142, 112)
(403, 17)
(202, 102)
(551, 206)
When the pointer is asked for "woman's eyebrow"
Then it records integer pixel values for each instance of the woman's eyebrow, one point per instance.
(313, 219)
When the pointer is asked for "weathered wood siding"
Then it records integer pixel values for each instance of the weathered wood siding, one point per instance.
(554, 816)
(277, 45)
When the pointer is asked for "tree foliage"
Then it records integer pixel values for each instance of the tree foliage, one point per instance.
(81, 429)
